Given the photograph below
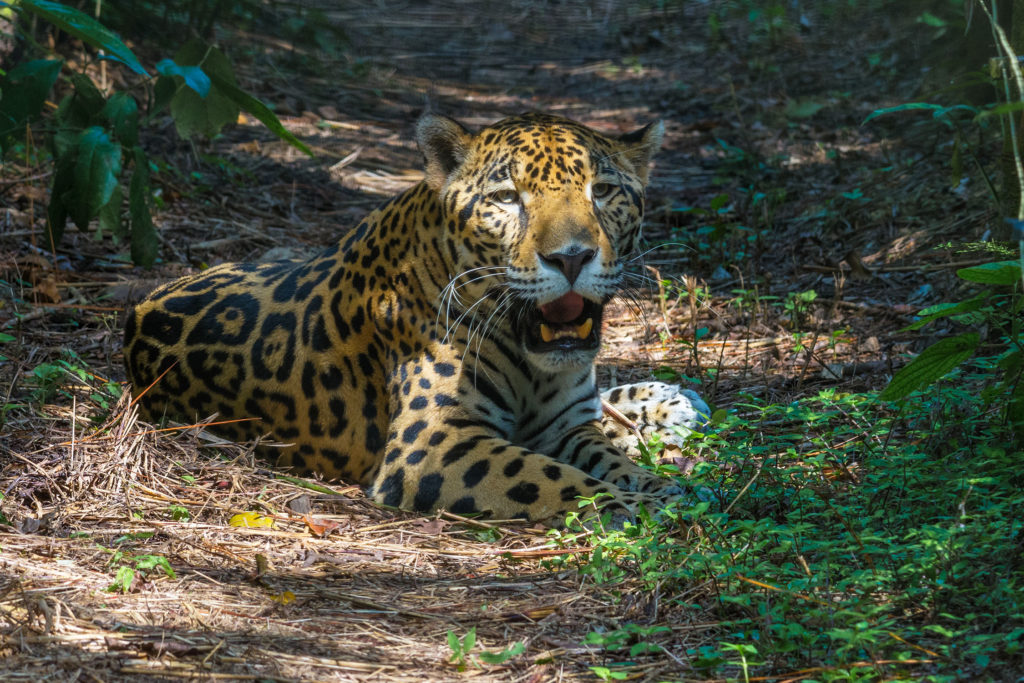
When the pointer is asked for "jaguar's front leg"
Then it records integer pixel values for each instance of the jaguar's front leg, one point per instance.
(461, 465)
(589, 449)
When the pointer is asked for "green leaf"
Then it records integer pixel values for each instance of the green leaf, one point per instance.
(97, 169)
(719, 202)
(931, 364)
(123, 114)
(193, 76)
(144, 239)
(5, 338)
(504, 655)
(79, 110)
(998, 273)
(470, 640)
(24, 89)
(149, 562)
(122, 580)
(85, 28)
(87, 103)
(930, 19)
(60, 193)
(197, 115)
(260, 111)
(910, 106)
(803, 108)
(110, 214)
(937, 311)
(1011, 362)
(999, 109)
(643, 647)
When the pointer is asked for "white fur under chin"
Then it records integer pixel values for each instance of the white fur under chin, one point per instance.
(558, 362)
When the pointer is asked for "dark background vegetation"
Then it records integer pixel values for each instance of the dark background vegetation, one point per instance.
(791, 246)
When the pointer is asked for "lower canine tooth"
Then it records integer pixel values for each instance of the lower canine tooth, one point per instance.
(583, 331)
(545, 333)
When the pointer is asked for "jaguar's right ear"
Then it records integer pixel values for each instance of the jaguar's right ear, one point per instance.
(445, 145)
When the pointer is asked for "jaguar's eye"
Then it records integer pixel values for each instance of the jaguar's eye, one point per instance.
(505, 196)
(601, 190)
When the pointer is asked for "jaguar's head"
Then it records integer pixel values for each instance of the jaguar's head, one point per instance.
(540, 213)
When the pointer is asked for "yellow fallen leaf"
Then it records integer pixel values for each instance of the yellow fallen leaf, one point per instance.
(251, 519)
(284, 598)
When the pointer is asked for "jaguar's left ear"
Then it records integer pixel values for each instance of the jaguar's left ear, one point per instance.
(445, 145)
(641, 145)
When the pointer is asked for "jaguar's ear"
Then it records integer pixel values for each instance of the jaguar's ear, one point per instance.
(641, 145)
(444, 143)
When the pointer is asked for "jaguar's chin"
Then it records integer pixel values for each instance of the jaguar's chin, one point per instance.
(560, 335)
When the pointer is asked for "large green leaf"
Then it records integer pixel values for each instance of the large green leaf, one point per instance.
(80, 109)
(97, 170)
(260, 111)
(24, 89)
(997, 273)
(123, 114)
(85, 28)
(932, 363)
(197, 115)
(144, 239)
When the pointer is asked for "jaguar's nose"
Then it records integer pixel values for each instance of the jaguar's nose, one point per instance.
(570, 262)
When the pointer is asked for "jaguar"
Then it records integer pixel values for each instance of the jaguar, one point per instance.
(442, 352)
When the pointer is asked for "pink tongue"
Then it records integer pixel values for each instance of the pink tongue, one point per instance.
(564, 309)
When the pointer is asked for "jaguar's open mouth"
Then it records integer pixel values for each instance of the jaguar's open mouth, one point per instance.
(569, 323)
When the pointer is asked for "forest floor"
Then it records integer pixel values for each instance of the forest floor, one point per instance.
(768, 188)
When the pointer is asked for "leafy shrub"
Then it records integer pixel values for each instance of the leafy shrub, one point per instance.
(856, 541)
(94, 139)
(995, 309)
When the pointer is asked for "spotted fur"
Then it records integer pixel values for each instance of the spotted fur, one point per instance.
(440, 352)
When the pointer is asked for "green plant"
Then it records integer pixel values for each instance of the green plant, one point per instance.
(129, 567)
(853, 534)
(141, 566)
(797, 306)
(49, 379)
(606, 674)
(94, 138)
(996, 308)
(461, 649)
(743, 650)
